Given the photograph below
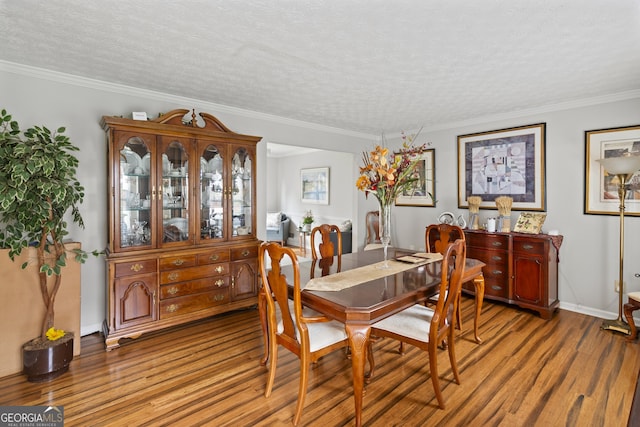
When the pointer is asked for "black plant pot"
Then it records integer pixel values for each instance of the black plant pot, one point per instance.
(42, 363)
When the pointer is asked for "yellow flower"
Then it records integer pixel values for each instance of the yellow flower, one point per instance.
(54, 334)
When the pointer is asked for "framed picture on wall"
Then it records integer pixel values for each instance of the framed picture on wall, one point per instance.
(314, 185)
(506, 162)
(601, 189)
(423, 189)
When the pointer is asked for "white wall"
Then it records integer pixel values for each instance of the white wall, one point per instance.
(588, 257)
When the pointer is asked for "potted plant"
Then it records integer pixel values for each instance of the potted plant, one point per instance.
(38, 187)
(307, 220)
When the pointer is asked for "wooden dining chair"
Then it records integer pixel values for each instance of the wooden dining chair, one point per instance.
(437, 237)
(629, 308)
(372, 222)
(326, 249)
(426, 327)
(307, 334)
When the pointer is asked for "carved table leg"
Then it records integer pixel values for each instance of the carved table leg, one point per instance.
(358, 342)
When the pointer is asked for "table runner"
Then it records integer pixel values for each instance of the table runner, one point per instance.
(349, 278)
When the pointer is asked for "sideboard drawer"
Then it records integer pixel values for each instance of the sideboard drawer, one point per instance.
(529, 246)
(191, 273)
(487, 240)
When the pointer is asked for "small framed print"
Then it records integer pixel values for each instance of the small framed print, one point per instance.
(314, 185)
(506, 162)
(601, 189)
(423, 190)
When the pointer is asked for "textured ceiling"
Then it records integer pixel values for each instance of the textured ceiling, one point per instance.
(362, 65)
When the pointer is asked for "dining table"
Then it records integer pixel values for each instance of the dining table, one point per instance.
(362, 288)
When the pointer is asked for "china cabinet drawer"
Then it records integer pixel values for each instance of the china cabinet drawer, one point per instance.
(136, 267)
(213, 257)
(244, 253)
(181, 261)
(528, 246)
(192, 287)
(191, 273)
(191, 303)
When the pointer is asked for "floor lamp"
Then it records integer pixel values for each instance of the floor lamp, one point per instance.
(623, 168)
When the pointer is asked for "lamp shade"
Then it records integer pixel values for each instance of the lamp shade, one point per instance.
(621, 165)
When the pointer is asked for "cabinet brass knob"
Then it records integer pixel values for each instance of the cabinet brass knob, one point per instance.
(218, 298)
(173, 290)
(527, 247)
(245, 253)
(172, 308)
(173, 276)
(178, 262)
(137, 267)
(497, 243)
(214, 257)
(219, 282)
(219, 269)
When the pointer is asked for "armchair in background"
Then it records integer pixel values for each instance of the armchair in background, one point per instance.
(278, 227)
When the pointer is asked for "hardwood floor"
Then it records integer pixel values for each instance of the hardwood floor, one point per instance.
(527, 372)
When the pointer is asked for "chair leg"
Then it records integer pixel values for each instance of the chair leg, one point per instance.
(478, 283)
(302, 391)
(629, 308)
(433, 367)
(452, 357)
(273, 358)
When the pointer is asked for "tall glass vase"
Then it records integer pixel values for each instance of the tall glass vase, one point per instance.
(385, 228)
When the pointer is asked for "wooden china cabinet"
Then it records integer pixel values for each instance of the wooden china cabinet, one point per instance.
(182, 222)
(521, 269)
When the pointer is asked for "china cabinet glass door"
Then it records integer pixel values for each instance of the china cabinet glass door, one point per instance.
(135, 190)
(212, 193)
(241, 192)
(174, 191)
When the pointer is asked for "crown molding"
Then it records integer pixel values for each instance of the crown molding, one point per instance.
(75, 80)
(90, 83)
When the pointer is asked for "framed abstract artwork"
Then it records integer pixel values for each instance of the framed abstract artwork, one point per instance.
(314, 185)
(506, 162)
(601, 189)
(423, 190)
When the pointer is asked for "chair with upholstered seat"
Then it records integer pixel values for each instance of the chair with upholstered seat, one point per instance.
(308, 335)
(372, 222)
(629, 308)
(426, 327)
(436, 239)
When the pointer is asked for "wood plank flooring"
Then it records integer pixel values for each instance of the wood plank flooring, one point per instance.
(527, 372)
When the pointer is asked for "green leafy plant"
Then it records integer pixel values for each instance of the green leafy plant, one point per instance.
(38, 186)
(308, 218)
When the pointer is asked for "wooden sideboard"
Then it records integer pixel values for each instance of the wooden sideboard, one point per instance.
(521, 269)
